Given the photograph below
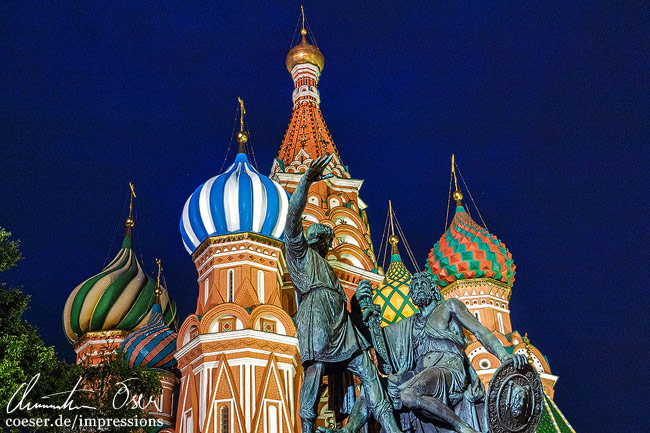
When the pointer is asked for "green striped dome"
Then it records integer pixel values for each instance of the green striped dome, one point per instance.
(120, 297)
(392, 295)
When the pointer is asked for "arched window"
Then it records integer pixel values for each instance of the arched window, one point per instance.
(273, 419)
(191, 333)
(230, 296)
(260, 286)
(189, 422)
(478, 315)
(348, 239)
(206, 290)
(500, 320)
(224, 422)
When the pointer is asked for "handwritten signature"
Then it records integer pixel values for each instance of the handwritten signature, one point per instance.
(123, 397)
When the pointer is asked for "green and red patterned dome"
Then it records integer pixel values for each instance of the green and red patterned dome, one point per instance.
(392, 295)
(467, 250)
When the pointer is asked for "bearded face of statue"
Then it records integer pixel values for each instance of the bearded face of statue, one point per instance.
(423, 290)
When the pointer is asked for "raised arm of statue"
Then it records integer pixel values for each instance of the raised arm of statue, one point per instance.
(299, 197)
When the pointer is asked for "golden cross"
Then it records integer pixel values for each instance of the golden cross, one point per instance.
(160, 268)
(453, 170)
(242, 112)
(131, 202)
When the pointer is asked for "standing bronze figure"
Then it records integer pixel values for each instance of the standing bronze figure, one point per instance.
(434, 385)
(328, 340)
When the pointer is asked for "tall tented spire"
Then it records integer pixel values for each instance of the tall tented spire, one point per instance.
(307, 136)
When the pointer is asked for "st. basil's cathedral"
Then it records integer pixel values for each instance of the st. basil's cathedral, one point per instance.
(233, 365)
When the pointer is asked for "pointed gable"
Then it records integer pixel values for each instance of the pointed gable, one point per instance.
(188, 402)
(246, 295)
(224, 393)
(272, 402)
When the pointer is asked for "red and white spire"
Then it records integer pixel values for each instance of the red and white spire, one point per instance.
(307, 136)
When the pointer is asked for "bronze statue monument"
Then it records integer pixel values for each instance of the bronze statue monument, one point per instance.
(328, 340)
(434, 386)
(428, 380)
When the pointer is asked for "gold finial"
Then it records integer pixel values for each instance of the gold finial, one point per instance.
(158, 290)
(390, 212)
(242, 111)
(304, 52)
(129, 220)
(529, 356)
(303, 32)
(242, 136)
(394, 240)
(458, 196)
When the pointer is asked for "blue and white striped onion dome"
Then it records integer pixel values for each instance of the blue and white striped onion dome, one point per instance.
(238, 200)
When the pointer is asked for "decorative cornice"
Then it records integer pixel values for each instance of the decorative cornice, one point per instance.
(339, 182)
(344, 267)
(101, 335)
(233, 237)
(473, 282)
(285, 179)
(168, 376)
(233, 335)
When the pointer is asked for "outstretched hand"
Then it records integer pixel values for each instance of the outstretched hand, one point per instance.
(518, 360)
(315, 171)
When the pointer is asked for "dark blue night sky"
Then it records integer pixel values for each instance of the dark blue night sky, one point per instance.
(546, 108)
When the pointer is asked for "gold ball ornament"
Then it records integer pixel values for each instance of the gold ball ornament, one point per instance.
(130, 222)
(393, 240)
(158, 291)
(304, 52)
(242, 137)
(458, 195)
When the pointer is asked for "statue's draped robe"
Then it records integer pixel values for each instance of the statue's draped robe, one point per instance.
(414, 346)
(324, 328)
(325, 331)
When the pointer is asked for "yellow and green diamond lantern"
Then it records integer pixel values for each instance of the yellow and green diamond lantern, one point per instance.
(392, 295)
